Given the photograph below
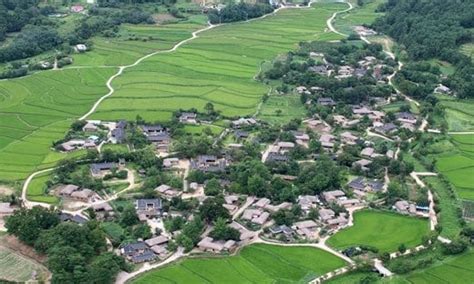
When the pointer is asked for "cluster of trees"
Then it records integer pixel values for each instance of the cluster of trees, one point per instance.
(433, 29)
(239, 12)
(76, 254)
(295, 71)
(39, 33)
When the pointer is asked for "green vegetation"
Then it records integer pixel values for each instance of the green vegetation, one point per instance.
(217, 67)
(468, 49)
(35, 111)
(17, 268)
(455, 270)
(382, 230)
(457, 165)
(282, 109)
(448, 218)
(459, 114)
(257, 263)
(364, 14)
(135, 41)
(37, 189)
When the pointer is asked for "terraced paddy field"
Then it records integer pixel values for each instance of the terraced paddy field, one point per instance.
(217, 67)
(258, 263)
(385, 231)
(36, 110)
(17, 268)
(459, 113)
(458, 269)
(458, 166)
(135, 41)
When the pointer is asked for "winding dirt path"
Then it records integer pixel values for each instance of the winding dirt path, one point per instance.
(330, 20)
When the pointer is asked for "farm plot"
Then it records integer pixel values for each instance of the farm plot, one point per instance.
(257, 263)
(217, 67)
(36, 110)
(383, 230)
(17, 268)
(459, 113)
(36, 190)
(135, 41)
(456, 270)
(458, 166)
(359, 15)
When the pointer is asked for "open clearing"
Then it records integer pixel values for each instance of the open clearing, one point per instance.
(219, 67)
(458, 166)
(259, 263)
(382, 230)
(17, 268)
(456, 270)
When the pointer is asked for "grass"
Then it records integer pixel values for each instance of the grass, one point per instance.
(120, 148)
(37, 189)
(17, 268)
(290, 107)
(468, 49)
(218, 67)
(258, 263)
(459, 113)
(448, 217)
(459, 269)
(198, 129)
(383, 230)
(458, 165)
(358, 16)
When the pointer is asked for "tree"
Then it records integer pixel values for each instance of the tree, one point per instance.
(142, 231)
(278, 112)
(27, 224)
(209, 108)
(402, 248)
(222, 231)
(213, 187)
(212, 209)
(129, 216)
(104, 268)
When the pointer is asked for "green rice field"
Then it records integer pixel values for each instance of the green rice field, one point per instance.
(135, 41)
(459, 113)
(36, 110)
(258, 263)
(458, 166)
(219, 67)
(385, 231)
(290, 107)
(458, 269)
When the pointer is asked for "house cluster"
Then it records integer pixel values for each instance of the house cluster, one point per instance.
(76, 144)
(209, 163)
(188, 118)
(158, 136)
(75, 192)
(278, 152)
(360, 186)
(99, 170)
(167, 191)
(148, 250)
(364, 31)
(243, 122)
(410, 208)
(148, 208)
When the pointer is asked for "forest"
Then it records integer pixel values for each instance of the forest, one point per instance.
(433, 29)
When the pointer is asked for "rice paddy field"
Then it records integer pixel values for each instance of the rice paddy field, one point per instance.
(219, 67)
(36, 110)
(459, 113)
(458, 166)
(135, 41)
(385, 231)
(258, 263)
(458, 269)
(17, 268)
